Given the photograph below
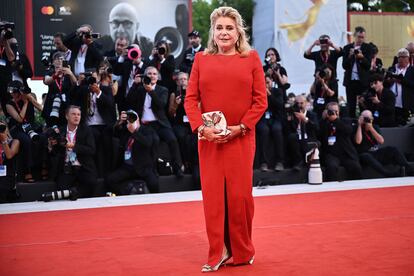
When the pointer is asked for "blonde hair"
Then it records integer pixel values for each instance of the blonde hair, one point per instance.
(242, 45)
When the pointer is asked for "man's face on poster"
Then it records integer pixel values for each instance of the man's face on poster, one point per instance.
(123, 22)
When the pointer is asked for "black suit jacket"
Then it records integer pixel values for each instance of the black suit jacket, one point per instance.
(384, 112)
(144, 148)
(407, 88)
(311, 128)
(84, 148)
(166, 70)
(363, 64)
(159, 99)
(188, 60)
(93, 54)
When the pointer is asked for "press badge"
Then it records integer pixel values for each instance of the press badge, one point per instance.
(185, 119)
(320, 101)
(331, 140)
(2, 62)
(127, 155)
(267, 115)
(63, 97)
(3, 170)
(376, 113)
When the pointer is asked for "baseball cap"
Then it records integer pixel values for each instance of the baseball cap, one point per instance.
(194, 33)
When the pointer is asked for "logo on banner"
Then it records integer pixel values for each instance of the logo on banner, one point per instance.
(47, 10)
(65, 11)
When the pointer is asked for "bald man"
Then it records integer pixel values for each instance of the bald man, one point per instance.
(123, 22)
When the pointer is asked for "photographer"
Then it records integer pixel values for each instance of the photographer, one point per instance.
(112, 56)
(21, 67)
(275, 70)
(380, 101)
(20, 110)
(130, 66)
(302, 127)
(73, 149)
(187, 140)
(324, 89)
(376, 62)
(400, 80)
(368, 138)
(150, 102)
(60, 81)
(60, 47)
(85, 52)
(271, 125)
(337, 147)
(138, 145)
(194, 40)
(165, 63)
(325, 56)
(357, 63)
(9, 148)
(7, 55)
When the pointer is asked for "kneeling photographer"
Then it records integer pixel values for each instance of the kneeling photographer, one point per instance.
(380, 101)
(72, 150)
(368, 138)
(20, 112)
(137, 154)
(324, 89)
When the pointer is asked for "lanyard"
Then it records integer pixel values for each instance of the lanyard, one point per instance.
(19, 110)
(59, 84)
(130, 143)
(369, 138)
(83, 49)
(324, 58)
(69, 139)
(333, 130)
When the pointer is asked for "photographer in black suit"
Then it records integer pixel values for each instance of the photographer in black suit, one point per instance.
(150, 101)
(357, 64)
(380, 101)
(337, 146)
(73, 149)
(324, 89)
(194, 40)
(302, 127)
(368, 138)
(400, 80)
(162, 59)
(85, 52)
(136, 158)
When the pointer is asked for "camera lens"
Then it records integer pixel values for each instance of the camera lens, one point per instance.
(161, 51)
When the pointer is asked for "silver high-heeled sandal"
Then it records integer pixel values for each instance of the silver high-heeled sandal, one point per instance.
(224, 259)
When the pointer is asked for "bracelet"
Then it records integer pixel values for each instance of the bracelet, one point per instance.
(4, 143)
(243, 129)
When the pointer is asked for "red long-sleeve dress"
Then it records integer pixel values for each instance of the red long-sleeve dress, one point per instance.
(234, 85)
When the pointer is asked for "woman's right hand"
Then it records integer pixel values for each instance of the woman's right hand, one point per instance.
(211, 134)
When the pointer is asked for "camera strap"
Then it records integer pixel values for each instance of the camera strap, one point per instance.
(59, 84)
(19, 110)
(369, 138)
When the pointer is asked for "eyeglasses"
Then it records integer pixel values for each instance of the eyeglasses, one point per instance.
(125, 23)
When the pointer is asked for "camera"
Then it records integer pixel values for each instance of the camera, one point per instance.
(89, 79)
(161, 50)
(392, 75)
(2, 128)
(53, 133)
(292, 108)
(71, 194)
(367, 95)
(56, 107)
(133, 53)
(7, 27)
(27, 128)
(25, 90)
(356, 51)
(65, 64)
(323, 41)
(90, 35)
(322, 74)
(367, 120)
(132, 116)
(146, 80)
(331, 112)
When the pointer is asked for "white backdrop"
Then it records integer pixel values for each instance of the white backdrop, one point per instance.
(306, 20)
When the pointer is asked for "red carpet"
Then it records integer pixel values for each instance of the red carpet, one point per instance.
(359, 232)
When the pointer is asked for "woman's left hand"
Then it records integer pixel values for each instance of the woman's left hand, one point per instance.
(234, 132)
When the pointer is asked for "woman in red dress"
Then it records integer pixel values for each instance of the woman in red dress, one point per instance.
(227, 77)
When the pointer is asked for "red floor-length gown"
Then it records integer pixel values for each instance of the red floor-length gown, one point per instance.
(234, 85)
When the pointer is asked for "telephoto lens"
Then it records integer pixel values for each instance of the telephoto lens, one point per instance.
(71, 194)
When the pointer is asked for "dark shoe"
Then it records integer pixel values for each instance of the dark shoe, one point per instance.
(299, 166)
(179, 172)
(279, 167)
(402, 171)
(264, 167)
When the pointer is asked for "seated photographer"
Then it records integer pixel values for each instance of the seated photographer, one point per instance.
(400, 80)
(273, 69)
(337, 146)
(324, 89)
(325, 56)
(8, 150)
(98, 106)
(60, 81)
(72, 149)
(187, 140)
(130, 66)
(137, 155)
(368, 138)
(85, 52)
(150, 100)
(302, 127)
(380, 101)
(162, 59)
(270, 127)
(20, 114)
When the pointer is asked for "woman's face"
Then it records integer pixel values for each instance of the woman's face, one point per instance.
(225, 34)
(271, 55)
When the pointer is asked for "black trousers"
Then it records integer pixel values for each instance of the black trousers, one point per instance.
(84, 180)
(297, 148)
(188, 143)
(103, 142)
(114, 181)
(384, 156)
(269, 134)
(353, 89)
(332, 163)
(167, 135)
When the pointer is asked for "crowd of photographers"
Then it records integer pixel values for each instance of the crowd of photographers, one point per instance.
(105, 114)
